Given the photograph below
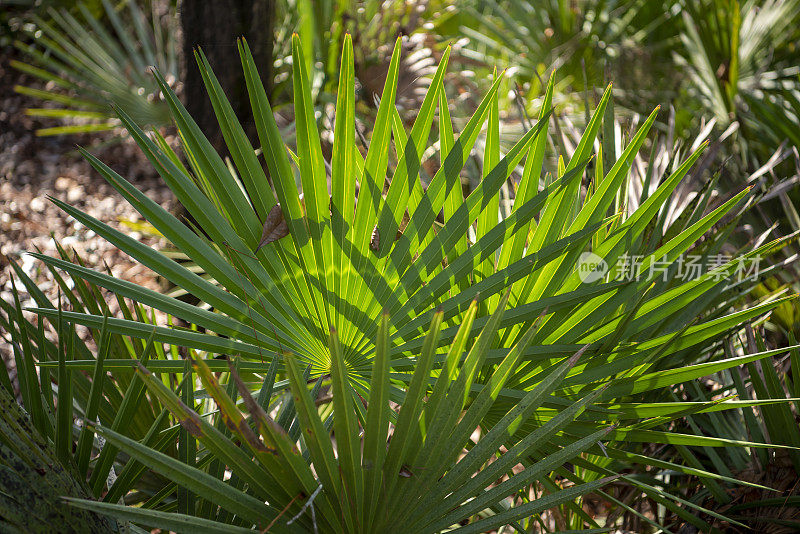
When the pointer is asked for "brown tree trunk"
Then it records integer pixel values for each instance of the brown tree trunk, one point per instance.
(214, 26)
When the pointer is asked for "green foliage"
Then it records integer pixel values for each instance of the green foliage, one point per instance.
(88, 66)
(713, 59)
(371, 23)
(59, 450)
(581, 39)
(367, 491)
(742, 62)
(770, 422)
(379, 287)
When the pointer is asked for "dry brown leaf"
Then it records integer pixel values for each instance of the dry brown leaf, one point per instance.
(275, 227)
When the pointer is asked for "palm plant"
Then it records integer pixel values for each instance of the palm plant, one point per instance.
(743, 66)
(775, 468)
(86, 66)
(49, 451)
(365, 490)
(376, 287)
(733, 61)
(153, 450)
(50, 441)
(769, 467)
(587, 41)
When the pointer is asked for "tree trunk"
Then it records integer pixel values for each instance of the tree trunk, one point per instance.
(214, 27)
(34, 481)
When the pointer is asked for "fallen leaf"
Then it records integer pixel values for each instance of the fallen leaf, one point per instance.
(275, 227)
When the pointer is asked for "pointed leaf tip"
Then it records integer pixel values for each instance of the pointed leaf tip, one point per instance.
(577, 356)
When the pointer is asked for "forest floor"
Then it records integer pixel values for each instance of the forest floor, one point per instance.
(33, 168)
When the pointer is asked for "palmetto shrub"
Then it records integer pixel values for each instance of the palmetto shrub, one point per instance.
(742, 61)
(399, 356)
(87, 65)
(735, 62)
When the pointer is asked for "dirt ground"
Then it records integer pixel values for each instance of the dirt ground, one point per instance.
(31, 168)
